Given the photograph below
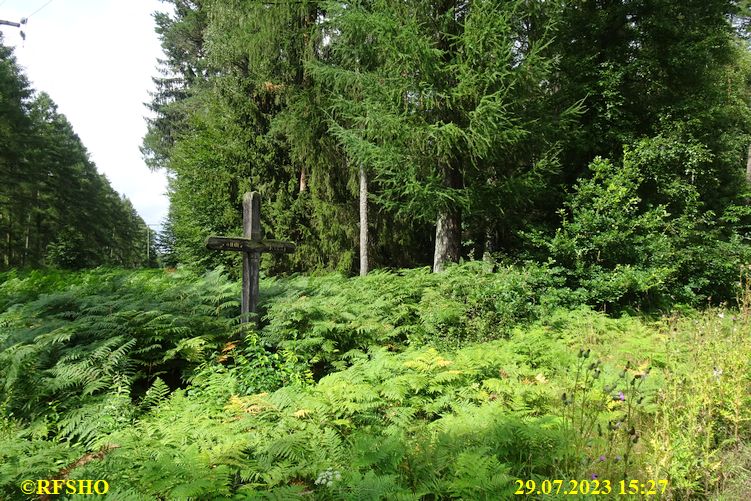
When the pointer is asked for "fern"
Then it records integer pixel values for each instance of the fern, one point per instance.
(155, 395)
(364, 377)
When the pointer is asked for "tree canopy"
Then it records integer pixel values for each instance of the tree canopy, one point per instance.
(473, 123)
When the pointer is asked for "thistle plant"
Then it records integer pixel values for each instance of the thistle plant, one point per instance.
(601, 420)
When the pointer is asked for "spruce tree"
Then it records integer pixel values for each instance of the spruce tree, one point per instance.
(438, 100)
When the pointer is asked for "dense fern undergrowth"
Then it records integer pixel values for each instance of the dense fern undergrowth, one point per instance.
(398, 385)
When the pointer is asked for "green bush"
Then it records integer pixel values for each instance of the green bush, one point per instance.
(407, 425)
(638, 235)
(79, 339)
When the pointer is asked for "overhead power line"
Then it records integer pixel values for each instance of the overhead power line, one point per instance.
(24, 20)
(40, 8)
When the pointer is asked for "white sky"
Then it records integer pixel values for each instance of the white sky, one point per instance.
(95, 58)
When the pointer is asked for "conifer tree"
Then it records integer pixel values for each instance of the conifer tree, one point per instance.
(468, 122)
(655, 68)
(438, 99)
(55, 208)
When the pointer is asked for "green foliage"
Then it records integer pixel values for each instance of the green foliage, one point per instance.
(637, 234)
(423, 93)
(704, 409)
(17, 288)
(397, 425)
(88, 345)
(484, 113)
(144, 379)
(602, 416)
(55, 208)
(329, 320)
(400, 384)
(233, 114)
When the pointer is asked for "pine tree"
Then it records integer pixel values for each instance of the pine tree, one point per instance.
(55, 208)
(438, 100)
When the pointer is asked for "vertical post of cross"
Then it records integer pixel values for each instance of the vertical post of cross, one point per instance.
(251, 260)
(251, 244)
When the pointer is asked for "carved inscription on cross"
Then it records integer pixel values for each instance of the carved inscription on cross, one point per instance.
(251, 244)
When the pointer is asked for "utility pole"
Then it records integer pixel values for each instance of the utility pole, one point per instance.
(15, 25)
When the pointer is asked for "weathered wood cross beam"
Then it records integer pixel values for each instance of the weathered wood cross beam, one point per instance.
(251, 244)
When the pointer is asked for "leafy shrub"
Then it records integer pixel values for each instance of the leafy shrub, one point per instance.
(637, 234)
(70, 355)
(20, 287)
(408, 425)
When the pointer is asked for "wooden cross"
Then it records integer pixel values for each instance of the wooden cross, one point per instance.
(251, 244)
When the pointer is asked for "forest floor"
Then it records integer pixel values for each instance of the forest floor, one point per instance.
(399, 385)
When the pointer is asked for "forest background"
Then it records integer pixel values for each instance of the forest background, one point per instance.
(607, 139)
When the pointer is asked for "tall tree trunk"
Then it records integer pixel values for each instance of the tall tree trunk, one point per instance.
(303, 180)
(490, 243)
(26, 240)
(448, 228)
(748, 166)
(363, 222)
(8, 242)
